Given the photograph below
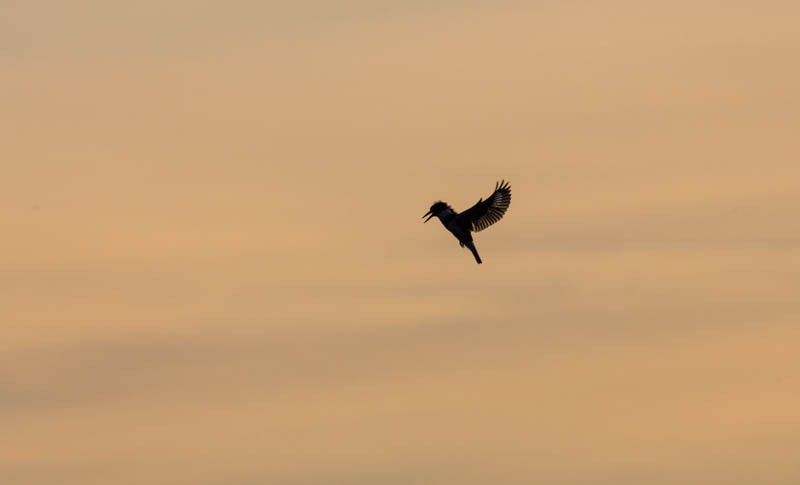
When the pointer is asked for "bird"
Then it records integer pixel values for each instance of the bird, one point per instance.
(477, 218)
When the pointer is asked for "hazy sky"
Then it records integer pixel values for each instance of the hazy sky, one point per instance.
(215, 271)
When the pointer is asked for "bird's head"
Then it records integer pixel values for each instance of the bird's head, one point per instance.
(435, 210)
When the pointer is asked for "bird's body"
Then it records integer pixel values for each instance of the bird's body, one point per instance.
(477, 218)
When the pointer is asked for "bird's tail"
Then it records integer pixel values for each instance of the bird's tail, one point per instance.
(471, 247)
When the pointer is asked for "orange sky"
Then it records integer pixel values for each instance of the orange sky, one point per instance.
(215, 271)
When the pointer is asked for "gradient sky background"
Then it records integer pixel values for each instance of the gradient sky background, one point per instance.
(215, 271)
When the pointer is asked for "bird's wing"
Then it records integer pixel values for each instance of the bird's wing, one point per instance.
(487, 212)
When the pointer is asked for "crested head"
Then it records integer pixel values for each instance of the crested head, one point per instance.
(440, 207)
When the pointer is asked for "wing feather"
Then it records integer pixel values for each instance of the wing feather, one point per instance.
(486, 212)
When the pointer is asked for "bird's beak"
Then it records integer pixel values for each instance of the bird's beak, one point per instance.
(429, 216)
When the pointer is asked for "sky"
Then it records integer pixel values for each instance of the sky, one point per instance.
(215, 269)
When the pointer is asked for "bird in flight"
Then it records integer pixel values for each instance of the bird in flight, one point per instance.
(477, 218)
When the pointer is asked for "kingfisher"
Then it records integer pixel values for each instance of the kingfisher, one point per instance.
(477, 218)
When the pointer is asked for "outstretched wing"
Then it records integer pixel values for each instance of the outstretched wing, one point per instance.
(487, 212)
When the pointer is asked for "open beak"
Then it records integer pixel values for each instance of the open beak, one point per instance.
(429, 214)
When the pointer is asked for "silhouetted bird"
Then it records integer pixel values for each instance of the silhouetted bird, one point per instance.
(476, 218)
